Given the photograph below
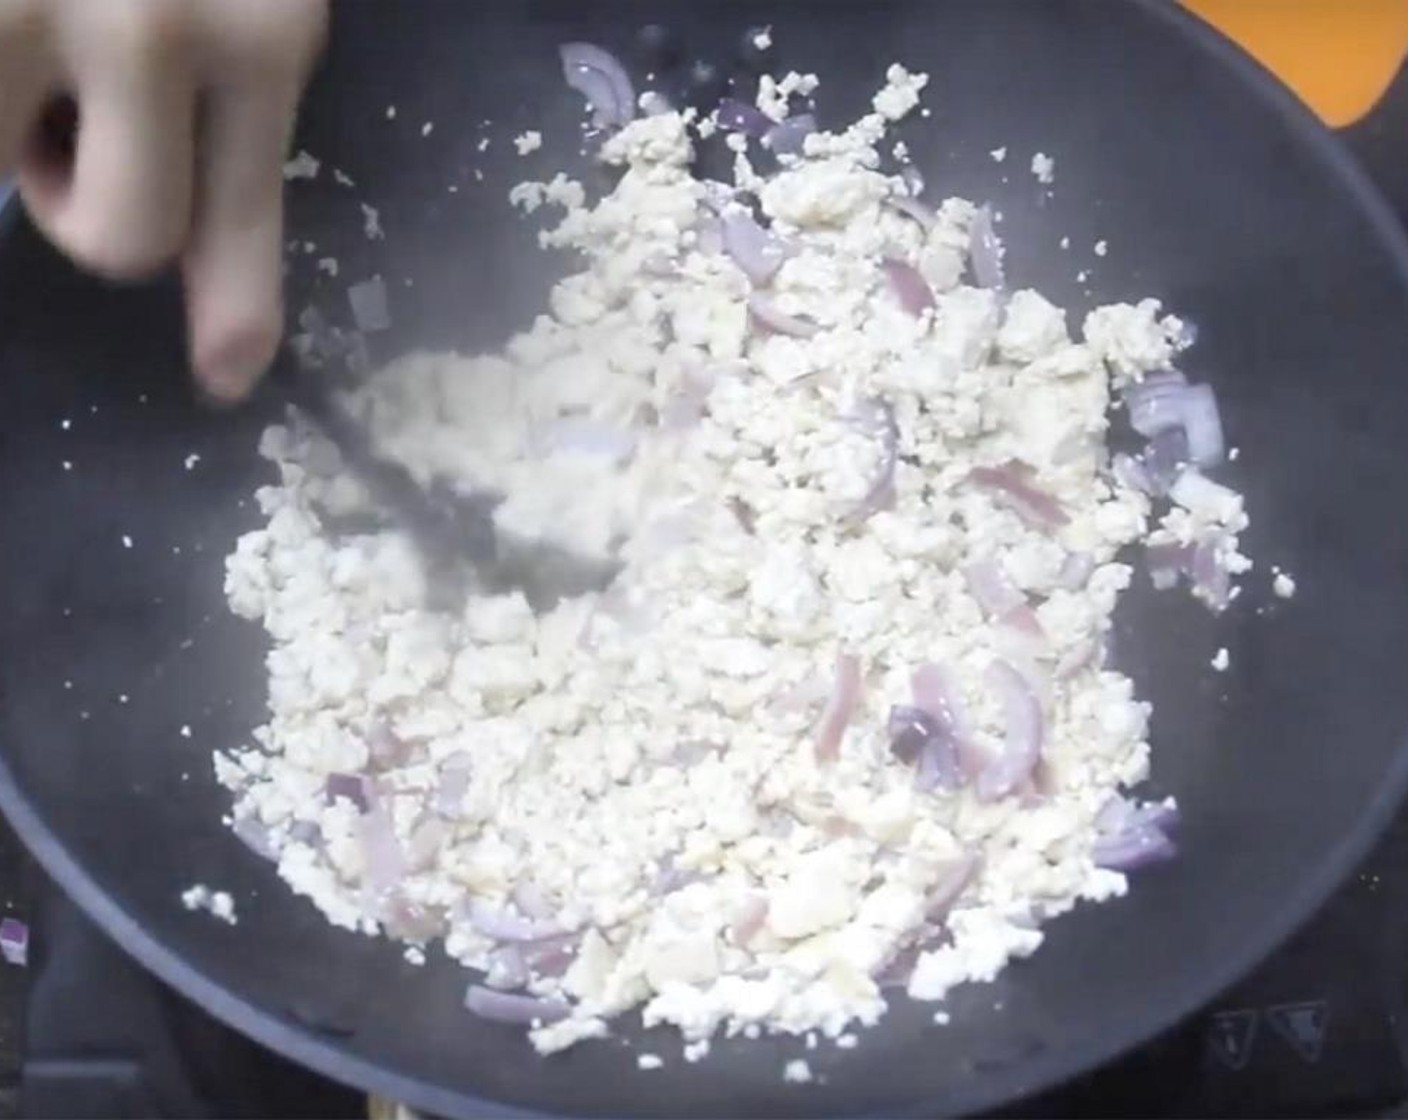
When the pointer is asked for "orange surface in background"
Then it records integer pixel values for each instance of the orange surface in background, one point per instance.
(1338, 55)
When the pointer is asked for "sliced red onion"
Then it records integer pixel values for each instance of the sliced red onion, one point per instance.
(384, 864)
(599, 77)
(1202, 422)
(1001, 599)
(356, 788)
(1164, 459)
(767, 315)
(1131, 835)
(507, 970)
(913, 208)
(839, 708)
(454, 779)
(750, 246)
(928, 741)
(425, 842)
(789, 137)
(936, 691)
(909, 287)
(1155, 404)
(254, 834)
(1131, 472)
(1165, 401)
(896, 972)
(1211, 581)
(951, 885)
(502, 926)
(508, 1007)
(1025, 731)
(14, 941)
(985, 251)
(1012, 485)
(881, 492)
(369, 306)
(551, 956)
(532, 902)
(734, 115)
(749, 920)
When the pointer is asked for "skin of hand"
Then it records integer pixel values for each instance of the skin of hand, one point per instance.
(184, 109)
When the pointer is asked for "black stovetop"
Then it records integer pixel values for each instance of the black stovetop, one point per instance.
(1321, 1029)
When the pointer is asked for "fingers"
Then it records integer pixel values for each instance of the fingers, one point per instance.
(123, 207)
(26, 75)
(233, 262)
(262, 49)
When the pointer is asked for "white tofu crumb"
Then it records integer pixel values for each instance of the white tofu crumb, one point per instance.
(640, 413)
(763, 39)
(427, 128)
(190, 461)
(483, 144)
(341, 178)
(1283, 585)
(1101, 248)
(1065, 242)
(301, 166)
(797, 1072)
(528, 142)
(415, 955)
(1221, 660)
(942, 1018)
(185, 731)
(1233, 454)
(1044, 168)
(847, 1042)
(219, 904)
(126, 541)
(371, 223)
(649, 1061)
(65, 424)
(998, 154)
(391, 112)
(67, 465)
(329, 266)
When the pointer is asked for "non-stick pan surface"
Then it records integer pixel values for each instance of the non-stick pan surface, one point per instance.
(1214, 191)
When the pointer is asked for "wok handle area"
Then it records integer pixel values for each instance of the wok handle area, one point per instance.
(1339, 56)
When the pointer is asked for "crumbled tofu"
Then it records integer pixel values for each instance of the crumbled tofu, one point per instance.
(1283, 585)
(998, 154)
(328, 265)
(763, 39)
(391, 112)
(301, 166)
(1044, 168)
(797, 1072)
(684, 785)
(1101, 248)
(126, 541)
(528, 142)
(190, 461)
(341, 178)
(427, 128)
(1221, 660)
(219, 904)
(649, 1061)
(371, 223)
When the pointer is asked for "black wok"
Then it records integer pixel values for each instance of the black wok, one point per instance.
(1215, 191)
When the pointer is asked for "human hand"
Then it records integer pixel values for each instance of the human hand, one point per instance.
(183, 111)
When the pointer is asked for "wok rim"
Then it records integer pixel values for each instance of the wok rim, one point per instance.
(1004, 1088)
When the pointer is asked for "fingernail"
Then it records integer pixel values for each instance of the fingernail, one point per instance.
(231, 371)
